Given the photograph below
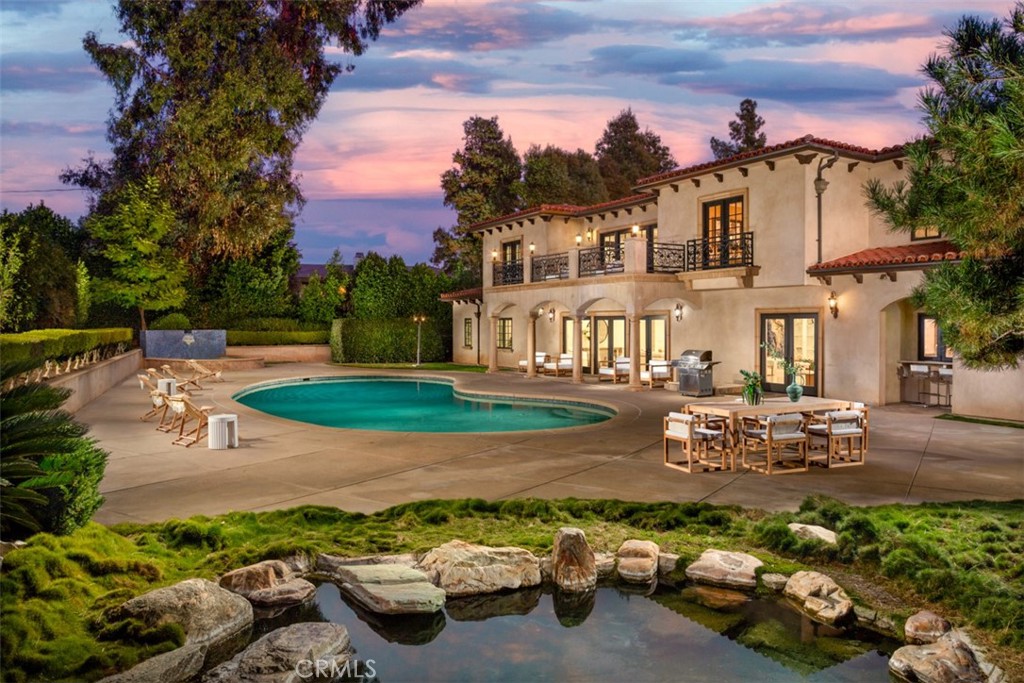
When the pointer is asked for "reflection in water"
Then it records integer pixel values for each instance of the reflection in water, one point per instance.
(607, 634)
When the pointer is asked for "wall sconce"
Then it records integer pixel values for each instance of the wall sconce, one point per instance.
(494, 255)
(579, 239)
(533, 248)
(540, 311)
(636, 230)
(590, 234)
(677, 312)
(833, 304)
(551, 315)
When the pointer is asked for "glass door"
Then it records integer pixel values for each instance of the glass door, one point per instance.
(568, 337)
(609, 340)
(794, 338)
(653, 338)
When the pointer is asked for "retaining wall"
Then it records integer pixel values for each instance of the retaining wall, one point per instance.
(95, 380)
(291, 353)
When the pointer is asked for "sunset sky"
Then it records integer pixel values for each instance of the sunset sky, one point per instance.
(553, 72)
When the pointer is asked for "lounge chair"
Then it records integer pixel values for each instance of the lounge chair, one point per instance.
(196, 418)
(780, 440)
(202, 372)
(841, 430)
(657, 371)
(540, 358)
(563, 364)
(183, 381)
(613, 370)
(701, 442)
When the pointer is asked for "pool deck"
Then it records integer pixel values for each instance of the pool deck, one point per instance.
(280, 464)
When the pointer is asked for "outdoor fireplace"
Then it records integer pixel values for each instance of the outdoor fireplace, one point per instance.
(694, 368)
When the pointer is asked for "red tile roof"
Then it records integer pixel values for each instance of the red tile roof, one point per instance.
(474, 294)
(855, 151)
(565, 210)
(891, 258)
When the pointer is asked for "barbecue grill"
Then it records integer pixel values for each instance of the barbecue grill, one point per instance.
(694, 368)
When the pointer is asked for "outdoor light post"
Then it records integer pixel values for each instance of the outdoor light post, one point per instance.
(419, 319)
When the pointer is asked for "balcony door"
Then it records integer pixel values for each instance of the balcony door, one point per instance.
(723, 226)
(795, 337)
(609, 340)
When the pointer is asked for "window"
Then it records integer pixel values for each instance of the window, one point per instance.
(925, 232)
(930, 345)
(505, 333)
(512, 252)
(722, 222)
(467, 333)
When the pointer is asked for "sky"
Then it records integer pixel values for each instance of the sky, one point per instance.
(553, 72)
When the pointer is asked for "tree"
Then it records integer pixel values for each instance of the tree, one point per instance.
(555, 176)
(745, 132)
(146, 274)
(625, 154)
(213, 98)
(967, 179)
(481, 185)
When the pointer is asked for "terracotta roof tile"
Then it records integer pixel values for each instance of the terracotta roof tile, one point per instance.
(904, 254)
(463, 294)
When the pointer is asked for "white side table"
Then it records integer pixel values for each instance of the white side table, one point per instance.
(223, 432)
(168, 386)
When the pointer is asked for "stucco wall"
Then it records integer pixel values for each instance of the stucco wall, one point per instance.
(998, 395)
(92, 382)
(285, 353)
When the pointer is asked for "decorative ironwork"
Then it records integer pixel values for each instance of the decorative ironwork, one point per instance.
(664, 257)
(601, 260)
(509, 273)
(550, 267)
(730, 251)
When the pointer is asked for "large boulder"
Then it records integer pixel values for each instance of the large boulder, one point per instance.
(819, 597)
(573, 566)
(389, 588)
(206, 612)
(270, 584)
(289, 655)
(810, 532)
(725, 569)
(638, 561)
(462, 568)
(177, 666)
(925, 627)
(947, 660)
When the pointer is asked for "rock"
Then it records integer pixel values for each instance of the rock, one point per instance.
(176, 666)
(667, 564)
(206, 612)
(573, 567)
(298, 564)
(268, 584)
(947, 660)
(288, 655)
(819, 597)
(462, 568)
(326, 563)
(715, 598)
(813, 533)
(774, 582)
(547, 568)
(389, 588)
(925, 627)
(726, 569)
(604, 563)
(638, 561)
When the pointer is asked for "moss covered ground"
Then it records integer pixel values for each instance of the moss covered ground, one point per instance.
(964, 560)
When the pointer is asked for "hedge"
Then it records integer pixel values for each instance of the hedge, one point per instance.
(278, 325)
(384, 341)
(248, 338)
(42, 345)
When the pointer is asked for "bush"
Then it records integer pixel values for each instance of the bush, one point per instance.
(277, 325)
(388, 341)
(245, 338)
(171, 321)
(41, 345)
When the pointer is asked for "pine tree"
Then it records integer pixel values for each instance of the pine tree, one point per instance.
(745, 132)
(626, 154)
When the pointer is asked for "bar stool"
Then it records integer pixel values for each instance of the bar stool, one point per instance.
(923, 376)
(944, 378)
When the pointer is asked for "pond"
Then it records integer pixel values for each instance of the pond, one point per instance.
(608, 635)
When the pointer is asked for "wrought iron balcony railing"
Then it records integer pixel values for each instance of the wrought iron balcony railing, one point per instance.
(549, 267)
(601, 260)
(664, 257)
(727, 252)
(508, 273)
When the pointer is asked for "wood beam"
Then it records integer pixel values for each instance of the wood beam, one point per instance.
(770, 164)
(695, 181)
(805, 159)
(719, 176)
(859, 277)
(852, 165)
(675, 186)
(743, 171)
(898, 163)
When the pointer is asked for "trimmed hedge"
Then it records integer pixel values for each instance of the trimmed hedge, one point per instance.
(277, 325)
(384, 341)
(42, 345)
(247, 338)
(171, 321)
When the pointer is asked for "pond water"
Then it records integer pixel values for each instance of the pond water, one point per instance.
(609, 635)
(410, 405)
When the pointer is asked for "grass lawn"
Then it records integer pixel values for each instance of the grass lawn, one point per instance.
(963, 560)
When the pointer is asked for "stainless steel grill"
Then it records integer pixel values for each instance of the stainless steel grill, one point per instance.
(695, 372)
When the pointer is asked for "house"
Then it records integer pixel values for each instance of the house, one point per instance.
(769, 248)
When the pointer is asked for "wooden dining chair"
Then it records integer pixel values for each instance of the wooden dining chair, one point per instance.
(776, 444)
(702, 443)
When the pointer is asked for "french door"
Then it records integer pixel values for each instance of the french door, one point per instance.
(793, 336)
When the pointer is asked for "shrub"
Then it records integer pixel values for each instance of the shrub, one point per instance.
(277, 325)
(40, 345)
(245, 338)
(171, 321)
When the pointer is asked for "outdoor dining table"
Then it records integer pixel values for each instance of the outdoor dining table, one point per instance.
(735, 410)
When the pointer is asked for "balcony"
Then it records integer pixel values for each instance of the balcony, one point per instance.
(730, 251)
(550, 267)
(509, 273)
(601, 260)
(666, 257)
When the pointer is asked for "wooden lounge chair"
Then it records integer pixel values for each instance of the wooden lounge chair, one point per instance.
(562, 364)
(657, 371)
(701, 442)
(613, 370)
(194, 418)
(183, 382)
(540, 358)
(776, 444)
(841, 430)
(202, 372)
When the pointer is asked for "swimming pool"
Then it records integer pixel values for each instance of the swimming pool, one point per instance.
(412, 405)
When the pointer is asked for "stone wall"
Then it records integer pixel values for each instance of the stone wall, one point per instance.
(293, 353)
(95, 380)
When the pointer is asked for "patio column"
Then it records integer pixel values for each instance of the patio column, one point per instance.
(577, 349)
(492, 361)
(634, 353)
(531, 346)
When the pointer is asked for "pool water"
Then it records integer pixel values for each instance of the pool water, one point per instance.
(409, 405)
(607, 635)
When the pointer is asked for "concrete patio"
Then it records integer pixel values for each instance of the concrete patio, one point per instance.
(279, 464)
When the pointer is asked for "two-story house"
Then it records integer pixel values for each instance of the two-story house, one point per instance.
(775, 245)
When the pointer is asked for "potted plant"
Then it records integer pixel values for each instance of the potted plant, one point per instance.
(794, 390)
(753, 392)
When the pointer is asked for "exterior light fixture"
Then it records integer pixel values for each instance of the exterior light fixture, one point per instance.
(833, 304)
(677, 312)
(636, 230)
(533, 248)
(551, 315)
(494, 254)
(540, 311)
(590, 234)
(579, 239)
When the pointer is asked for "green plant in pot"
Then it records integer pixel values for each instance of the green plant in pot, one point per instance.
(794, 390)
(753, 391)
